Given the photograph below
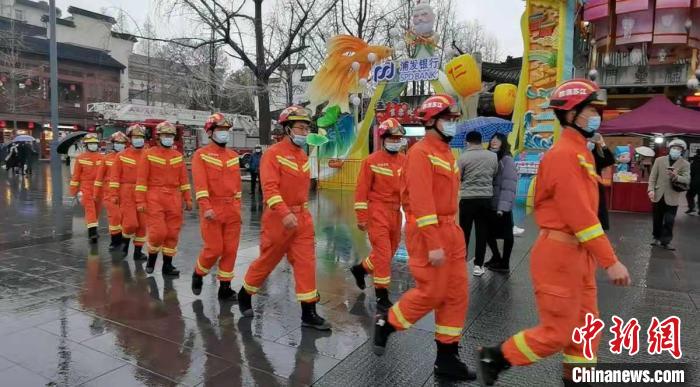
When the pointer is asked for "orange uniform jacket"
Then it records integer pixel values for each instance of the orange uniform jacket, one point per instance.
(379, 181)
(566, 196)
(162, 168)
(124, 169)
(104, 175)
(87, 167)
(284, 172)
(433, 177)
(216, 174)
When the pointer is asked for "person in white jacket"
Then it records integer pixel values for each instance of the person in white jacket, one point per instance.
(73, 152)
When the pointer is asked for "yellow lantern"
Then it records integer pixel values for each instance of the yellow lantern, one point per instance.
(464, 75)
(504, 98)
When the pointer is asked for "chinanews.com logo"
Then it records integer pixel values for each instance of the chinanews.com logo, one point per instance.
(662, 336)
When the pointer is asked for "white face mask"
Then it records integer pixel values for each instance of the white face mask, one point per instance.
(220, 137)
(118, 146)
(138, 142)
(167, 141)
(92, 147)
(449, 128)
(393, 146)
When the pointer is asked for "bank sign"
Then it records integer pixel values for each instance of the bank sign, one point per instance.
(407, 70)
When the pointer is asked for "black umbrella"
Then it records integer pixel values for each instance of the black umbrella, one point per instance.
(69, 140)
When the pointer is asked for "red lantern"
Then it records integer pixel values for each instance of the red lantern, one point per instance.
(72, 87)
(30, 125)
(3, 124)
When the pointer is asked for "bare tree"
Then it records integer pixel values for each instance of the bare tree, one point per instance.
(20, 90)
(230, 23)
(472, 37)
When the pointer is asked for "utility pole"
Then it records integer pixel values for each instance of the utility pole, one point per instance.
(56, 175)
(212, 73)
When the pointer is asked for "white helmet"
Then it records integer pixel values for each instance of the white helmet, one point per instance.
(678, 142)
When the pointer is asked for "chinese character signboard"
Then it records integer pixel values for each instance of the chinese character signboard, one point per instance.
(408, 70)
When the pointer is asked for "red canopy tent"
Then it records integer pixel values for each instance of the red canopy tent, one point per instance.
(658, 116)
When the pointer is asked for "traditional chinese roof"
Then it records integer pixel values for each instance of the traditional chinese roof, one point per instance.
(90, 14)
(63, 22)
(40, 46)
(21, 27)
(504, 72)
(124, 36)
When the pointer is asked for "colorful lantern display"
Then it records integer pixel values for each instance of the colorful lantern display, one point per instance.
(504, 98)
(464, 75)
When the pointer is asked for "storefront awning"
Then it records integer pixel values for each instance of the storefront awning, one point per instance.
(659, 115)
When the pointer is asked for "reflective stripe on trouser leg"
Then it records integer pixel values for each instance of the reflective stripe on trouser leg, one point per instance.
(450, 316)
(114, 217)
(274, 242)
(382, 231)
(173, 222)
(559, 288)
(231, 237)
(302, 257)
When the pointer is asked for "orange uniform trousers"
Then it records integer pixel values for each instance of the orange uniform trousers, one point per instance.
(443, 289)
(90, 204)
(384, 230)
(114, 216)
(563, 275)
(297, 244)
(163, 219)
(221, 237)
(133, 222)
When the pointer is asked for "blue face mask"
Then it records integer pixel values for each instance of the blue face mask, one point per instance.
(674, 154)
(118, 147)
(593, 124)
(590, 146)
(298, 140)
(449, 128)
(167, 141)
(138, 142)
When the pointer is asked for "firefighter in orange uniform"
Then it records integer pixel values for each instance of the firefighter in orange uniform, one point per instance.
(570, 244)
(287, 226)
(435, 242)
(217, 185)
(102, 184)
(82, 184)
(378, 209)
(162, 186)
(122, 185)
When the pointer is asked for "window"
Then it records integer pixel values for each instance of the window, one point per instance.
(19, 15)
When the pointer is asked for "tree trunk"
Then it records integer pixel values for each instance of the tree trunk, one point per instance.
(261, 77)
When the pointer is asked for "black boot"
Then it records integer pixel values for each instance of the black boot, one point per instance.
(197, 283)
(449, 365)
(151, 264)
(382, 330)
(245, 304)
(92, 234)
(311, 319)
(168, 268)
(491, 363)
(138, 254)
(383, 301)
(116, 242)
(125, 246)
(500, 266)
(359, 272)
(225, 291)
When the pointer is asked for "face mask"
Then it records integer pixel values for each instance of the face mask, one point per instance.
(92, 147)
(593, 125)
(138, 142)
(220, 137)
(392, 146)
(118, 146)
(167, 141)
(298, 140)
(257, 150)
(449, 128)
(404, 142)
(590, 146)
(674, 154)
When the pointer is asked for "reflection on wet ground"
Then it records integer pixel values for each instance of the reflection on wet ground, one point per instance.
(71, 315)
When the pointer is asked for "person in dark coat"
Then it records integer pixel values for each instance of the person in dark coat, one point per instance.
(603, 158)
(694, 190)
(505, 185)
(254, 168)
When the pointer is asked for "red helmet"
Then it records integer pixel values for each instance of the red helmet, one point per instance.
(438, 105)
(216, 120)
(391, 127)
(294, 113)
(576, 92)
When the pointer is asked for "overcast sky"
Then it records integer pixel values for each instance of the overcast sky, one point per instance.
(502, 17)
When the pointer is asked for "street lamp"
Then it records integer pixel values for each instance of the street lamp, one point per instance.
(659, 140)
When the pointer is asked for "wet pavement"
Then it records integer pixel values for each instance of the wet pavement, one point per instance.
(72, 315)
